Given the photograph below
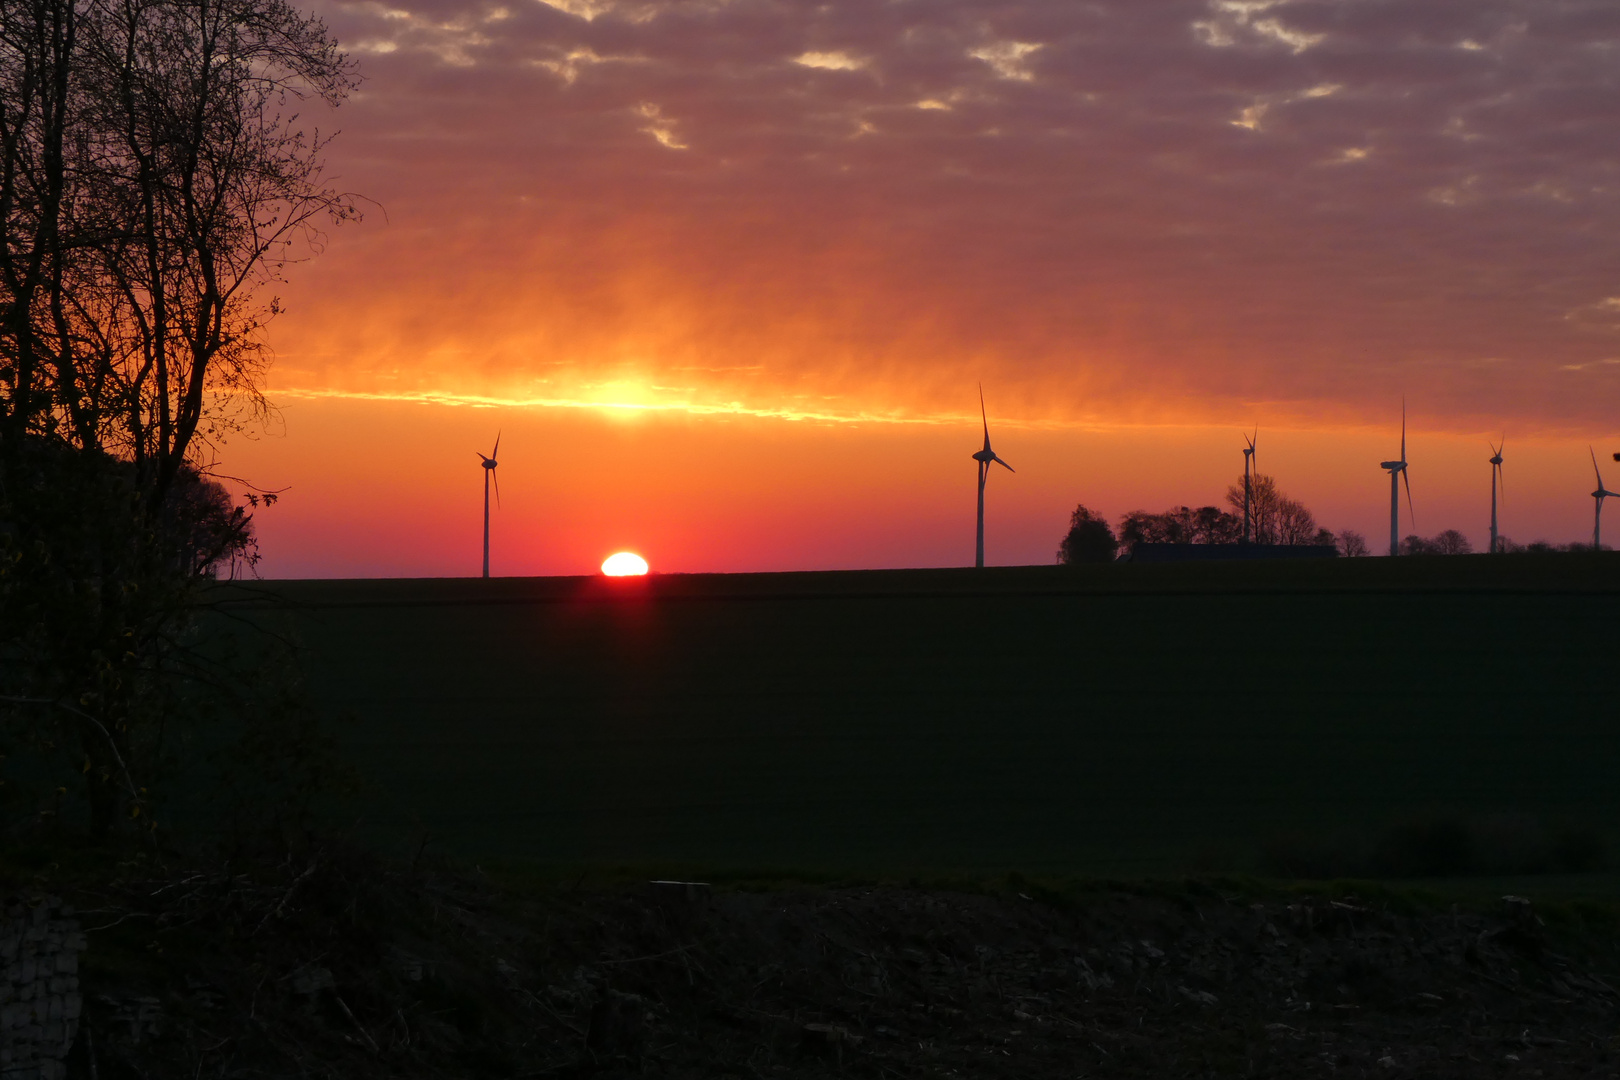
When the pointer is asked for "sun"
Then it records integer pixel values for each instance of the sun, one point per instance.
(624, 564)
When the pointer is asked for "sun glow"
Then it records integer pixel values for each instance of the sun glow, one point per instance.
(624, 564)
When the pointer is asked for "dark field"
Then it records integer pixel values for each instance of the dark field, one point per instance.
(1423, 716)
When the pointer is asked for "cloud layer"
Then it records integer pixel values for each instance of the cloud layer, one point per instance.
(1111, 211)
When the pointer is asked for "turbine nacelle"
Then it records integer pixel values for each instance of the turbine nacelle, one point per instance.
(1602, 492)
(985, 457)
(1598, 496)
(1392, 466)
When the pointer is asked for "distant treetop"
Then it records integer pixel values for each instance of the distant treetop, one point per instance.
(1089, 539)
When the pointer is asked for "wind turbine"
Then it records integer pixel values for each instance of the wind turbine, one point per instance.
(1249, 459)
(489, 474)
(1397, 473)
(1600, 494)
(1496, 482)
(984, 458)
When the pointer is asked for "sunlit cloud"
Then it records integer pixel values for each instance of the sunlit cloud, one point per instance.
(568, 65)
(582, 9)
(830, 61)
(1464, 193)
(1007, 58)
(659, 126)
(1294, 39)
(629, 400)
(1251, 116)
(1234, 20)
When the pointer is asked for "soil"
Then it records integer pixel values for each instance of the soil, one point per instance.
(340, 966)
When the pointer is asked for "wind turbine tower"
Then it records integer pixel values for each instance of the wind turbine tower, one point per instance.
(984, 458)
(489, 474)
(1496, 483)
(1599, 495)
(1397, 473)
(1251, 465)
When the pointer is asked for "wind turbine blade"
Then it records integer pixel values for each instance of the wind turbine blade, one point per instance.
(1501, 485)
(1595, 472)
(983, 418)
(495, 453)
(1403, 430)
(1003, 464)
(495, 474)
(1410, 510)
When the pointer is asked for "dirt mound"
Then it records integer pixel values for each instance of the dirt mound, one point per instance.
(336, 969)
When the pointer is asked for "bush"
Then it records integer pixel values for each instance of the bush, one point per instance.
(1351, 544)
(1440, 845)
(1089, 539)
(112, 691)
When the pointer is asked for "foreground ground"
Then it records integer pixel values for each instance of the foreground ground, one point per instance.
(1117, 719)
(337, 966)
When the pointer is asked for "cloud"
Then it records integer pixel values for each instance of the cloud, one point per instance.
(1177, 206)
(659, 126)
(569, 64)
(1007, 58)
(833, 60)
(1233, 22)
(583, 9)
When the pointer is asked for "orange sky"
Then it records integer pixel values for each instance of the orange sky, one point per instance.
(795, 236)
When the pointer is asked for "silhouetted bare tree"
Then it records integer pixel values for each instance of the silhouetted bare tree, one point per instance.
(156, 179)
(1278, 519)
(1352, 545)
(1181, 525)
(1450, 542)
(206, 183)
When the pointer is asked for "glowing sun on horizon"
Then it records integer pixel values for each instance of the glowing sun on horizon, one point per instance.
(624, 564)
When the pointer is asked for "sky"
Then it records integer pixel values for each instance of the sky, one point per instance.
(726, 274)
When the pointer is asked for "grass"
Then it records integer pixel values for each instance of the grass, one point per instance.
(1109, 720)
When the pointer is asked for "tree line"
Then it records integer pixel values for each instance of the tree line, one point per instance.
(1274, 518)
(157, 177)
